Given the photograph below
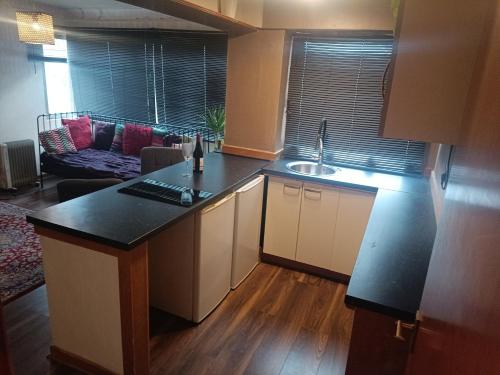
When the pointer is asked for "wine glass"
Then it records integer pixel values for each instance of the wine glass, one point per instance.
(187, 152)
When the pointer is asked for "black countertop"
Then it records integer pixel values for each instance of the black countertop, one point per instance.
(391, 267)
(356, 178)
(125, 221)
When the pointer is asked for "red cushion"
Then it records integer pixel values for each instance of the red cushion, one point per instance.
(135, 137)
(80, 131)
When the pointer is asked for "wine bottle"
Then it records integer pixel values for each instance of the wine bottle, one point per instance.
(198, 156)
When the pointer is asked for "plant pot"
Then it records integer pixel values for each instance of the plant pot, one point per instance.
(218, 144)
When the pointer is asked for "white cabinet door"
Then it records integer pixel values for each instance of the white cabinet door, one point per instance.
(213, 256)
(247, 221)
(353, 213)
(282, 217)
(318, 217)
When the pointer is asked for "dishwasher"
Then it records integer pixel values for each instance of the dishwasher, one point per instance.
(213, 256)
(247, 223)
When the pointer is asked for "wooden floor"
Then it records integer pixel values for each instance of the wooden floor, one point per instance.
(33, 198)
(277, 322)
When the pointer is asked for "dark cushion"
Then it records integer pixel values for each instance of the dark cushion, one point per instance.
(104, 133)
(74, 188)
(116, 146)
(158, 135)
(135, 138)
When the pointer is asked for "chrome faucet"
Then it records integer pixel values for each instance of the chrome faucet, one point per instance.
(320, 140)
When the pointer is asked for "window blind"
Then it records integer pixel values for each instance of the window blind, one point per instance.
(340, 79)
(168, 77)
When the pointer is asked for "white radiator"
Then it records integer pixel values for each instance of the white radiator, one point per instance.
(17, 164)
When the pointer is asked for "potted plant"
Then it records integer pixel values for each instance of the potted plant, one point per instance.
(215, 120)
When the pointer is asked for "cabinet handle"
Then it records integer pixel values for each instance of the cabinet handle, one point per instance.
(290, 189)
(408, 326)
(384, 77)
(314, 195)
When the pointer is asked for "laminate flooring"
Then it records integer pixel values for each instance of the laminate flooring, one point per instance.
(277, 322)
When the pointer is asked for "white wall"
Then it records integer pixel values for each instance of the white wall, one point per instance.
(22, 89)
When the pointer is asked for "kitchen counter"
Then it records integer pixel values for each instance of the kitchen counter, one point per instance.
(111, 236)
(391, 267)
(356, 178)
(390, 270)
(125, 221)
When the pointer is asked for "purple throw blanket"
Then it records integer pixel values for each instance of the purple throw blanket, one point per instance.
(92, 163)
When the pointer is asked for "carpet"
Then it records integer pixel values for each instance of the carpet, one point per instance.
(20, 254)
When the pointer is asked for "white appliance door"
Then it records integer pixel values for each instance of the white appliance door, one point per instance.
(248, 218)
(213, 256)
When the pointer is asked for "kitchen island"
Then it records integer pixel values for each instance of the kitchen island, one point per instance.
(95, 253)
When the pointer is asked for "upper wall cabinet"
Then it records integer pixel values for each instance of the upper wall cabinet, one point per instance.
(435, 51)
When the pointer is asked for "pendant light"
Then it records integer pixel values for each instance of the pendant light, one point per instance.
(35, 27)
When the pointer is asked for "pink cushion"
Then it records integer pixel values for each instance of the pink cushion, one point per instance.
(80, 131)
(135, 137)
(57, 141)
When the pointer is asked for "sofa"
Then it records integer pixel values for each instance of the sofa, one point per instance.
(91, 147)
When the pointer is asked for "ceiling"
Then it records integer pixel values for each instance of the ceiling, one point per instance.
(87, 4)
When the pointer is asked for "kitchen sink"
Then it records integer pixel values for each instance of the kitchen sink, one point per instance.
(311, 169)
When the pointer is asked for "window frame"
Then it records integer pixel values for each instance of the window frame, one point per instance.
(416, 152)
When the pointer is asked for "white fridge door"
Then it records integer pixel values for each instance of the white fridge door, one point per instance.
(213, 256)
(248, 218)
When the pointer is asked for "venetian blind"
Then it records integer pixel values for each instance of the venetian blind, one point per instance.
(148, 75)
(340, 79)
(190, 75)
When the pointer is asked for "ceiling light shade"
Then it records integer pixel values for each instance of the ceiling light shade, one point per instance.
(35, 27)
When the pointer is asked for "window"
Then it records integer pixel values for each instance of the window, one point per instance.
(340, 79)
(57, 79)
(167, 77)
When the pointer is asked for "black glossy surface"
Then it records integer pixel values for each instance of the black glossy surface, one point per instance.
(392, 263)
(124, 221)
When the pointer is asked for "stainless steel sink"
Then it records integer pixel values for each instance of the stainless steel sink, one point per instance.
(311, 169)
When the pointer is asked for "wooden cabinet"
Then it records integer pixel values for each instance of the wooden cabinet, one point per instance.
(282, 217)
(374, 347)
(435, 51)
(315, 224)
(354, 210)
(318, 216)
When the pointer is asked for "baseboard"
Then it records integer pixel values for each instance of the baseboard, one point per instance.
(76, 362)
(251, 152)
(307, 268)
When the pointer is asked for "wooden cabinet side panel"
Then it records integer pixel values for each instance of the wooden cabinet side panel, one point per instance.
(84, 302)
(373, 348)
(282, 218)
